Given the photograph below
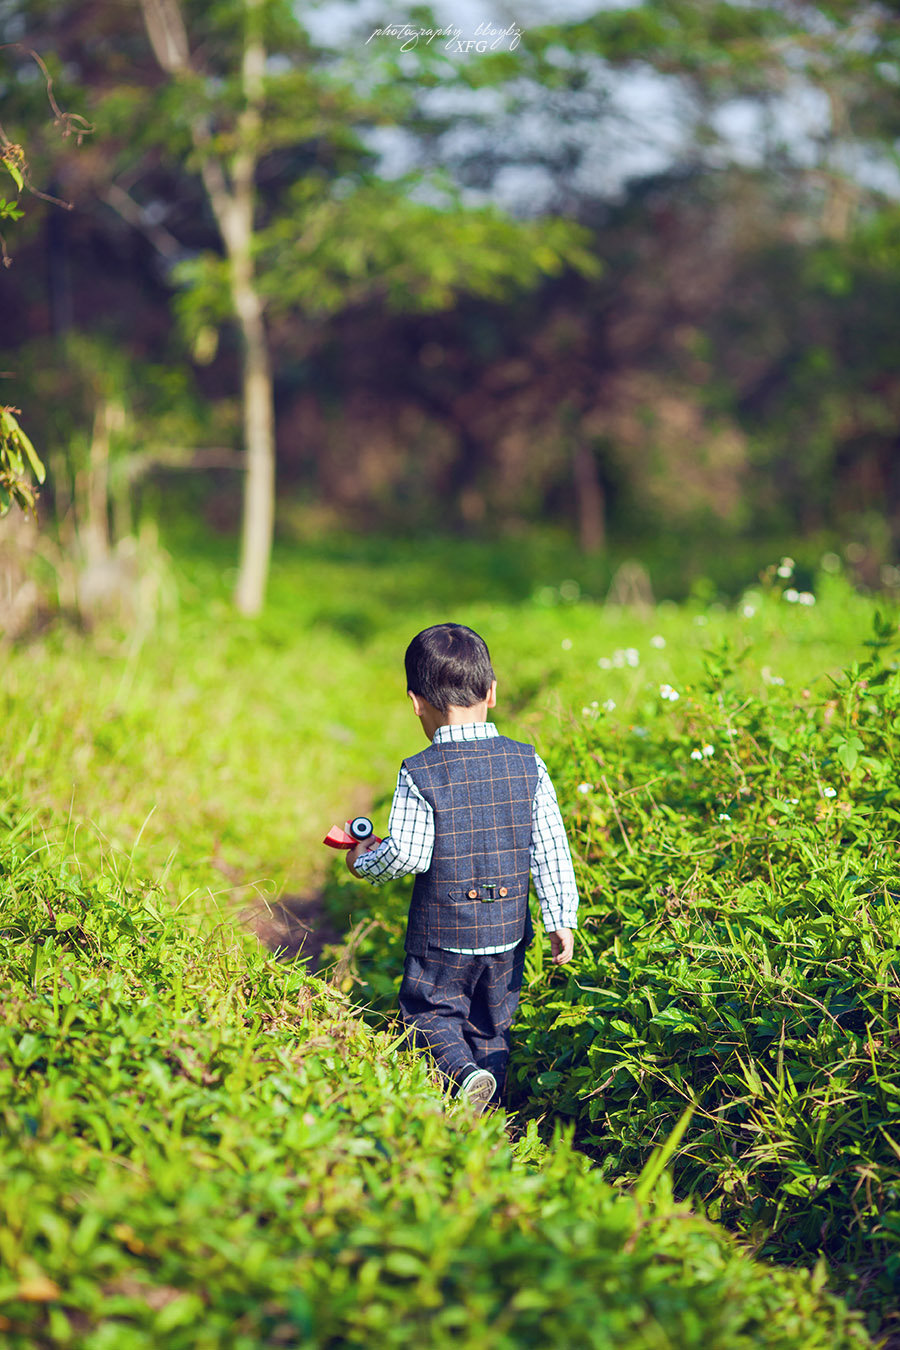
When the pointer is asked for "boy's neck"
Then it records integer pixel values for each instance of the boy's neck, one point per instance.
(452, 716)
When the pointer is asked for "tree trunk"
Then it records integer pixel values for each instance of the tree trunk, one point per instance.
(92, 484)
(590, 500)
(259, 442)
(259, 416)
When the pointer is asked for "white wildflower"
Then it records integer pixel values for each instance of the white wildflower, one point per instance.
(667, 692)
(723, 815)
(658, 642)
(708, 751)
(696, 754)
(632, 656)
(566, 644)
(829, 792)
(604, 663)
(791, 596)
(610, 705)
(806, 598)
(748, 611)
(786, 567)
(793, 801)
(583, 787)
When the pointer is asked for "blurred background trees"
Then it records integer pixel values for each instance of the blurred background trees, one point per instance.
(636, 280)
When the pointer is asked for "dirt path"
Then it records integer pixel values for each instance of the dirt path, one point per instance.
(295, 925)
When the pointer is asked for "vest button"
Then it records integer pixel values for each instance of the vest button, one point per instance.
(503, 891)
(473, 895)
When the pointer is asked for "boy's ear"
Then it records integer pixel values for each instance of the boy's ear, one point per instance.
(492, 695)
(416, 702)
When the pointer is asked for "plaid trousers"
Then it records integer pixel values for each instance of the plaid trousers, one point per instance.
(459, 1008)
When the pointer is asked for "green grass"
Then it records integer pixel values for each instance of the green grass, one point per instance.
(214, 1150)
(222, 743)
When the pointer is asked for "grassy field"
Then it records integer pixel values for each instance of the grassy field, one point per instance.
(164, 782)
(203, 744)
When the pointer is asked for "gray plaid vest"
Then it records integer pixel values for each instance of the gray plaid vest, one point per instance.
(475, 893)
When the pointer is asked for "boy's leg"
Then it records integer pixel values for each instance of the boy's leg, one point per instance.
(493, 1007)
(435, 995)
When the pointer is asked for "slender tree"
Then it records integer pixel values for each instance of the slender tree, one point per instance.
(229, 180)
(337, 239)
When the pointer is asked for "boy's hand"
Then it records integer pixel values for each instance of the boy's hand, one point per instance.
(562, 946)
(356, 851)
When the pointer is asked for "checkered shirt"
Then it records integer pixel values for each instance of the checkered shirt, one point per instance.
(409, 843)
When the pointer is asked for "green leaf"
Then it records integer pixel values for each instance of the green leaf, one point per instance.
(675, 1019)
(848, 754)
(15, 173)
(550, 1079)
(37, 467)
(659, 1159)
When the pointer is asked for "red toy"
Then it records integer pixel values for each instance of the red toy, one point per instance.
(358, 831)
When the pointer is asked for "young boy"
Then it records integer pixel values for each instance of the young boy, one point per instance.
(472, 815)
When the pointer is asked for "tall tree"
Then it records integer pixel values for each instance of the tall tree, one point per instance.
(230, 183)
(337, 237)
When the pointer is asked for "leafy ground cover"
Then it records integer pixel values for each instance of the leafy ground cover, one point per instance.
(209, 753)
(739, 858)
(202, 1147)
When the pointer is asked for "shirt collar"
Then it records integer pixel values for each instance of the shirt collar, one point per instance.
(464, 731)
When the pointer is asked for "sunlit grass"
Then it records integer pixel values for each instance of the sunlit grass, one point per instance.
(206, 1147)
(228, 746)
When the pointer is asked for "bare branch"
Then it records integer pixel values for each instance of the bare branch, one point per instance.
(162, 240)
(167, 34)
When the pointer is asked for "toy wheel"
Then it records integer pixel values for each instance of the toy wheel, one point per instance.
(362, 828)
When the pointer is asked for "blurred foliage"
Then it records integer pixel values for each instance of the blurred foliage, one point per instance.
(162, 419)
(20, 465)
(717, 357)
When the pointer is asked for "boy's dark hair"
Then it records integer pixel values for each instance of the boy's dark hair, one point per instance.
(449, 663)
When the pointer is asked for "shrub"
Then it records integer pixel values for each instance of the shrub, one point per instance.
(738, 859)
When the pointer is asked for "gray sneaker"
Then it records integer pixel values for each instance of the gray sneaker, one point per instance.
(478, 1088)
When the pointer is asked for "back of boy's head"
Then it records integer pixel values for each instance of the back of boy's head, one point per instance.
(449, 664)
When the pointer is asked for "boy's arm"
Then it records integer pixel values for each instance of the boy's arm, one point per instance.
(551, 865)
(409, 843)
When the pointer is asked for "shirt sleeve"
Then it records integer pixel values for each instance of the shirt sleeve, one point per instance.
(409, 843)
(551, 861)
